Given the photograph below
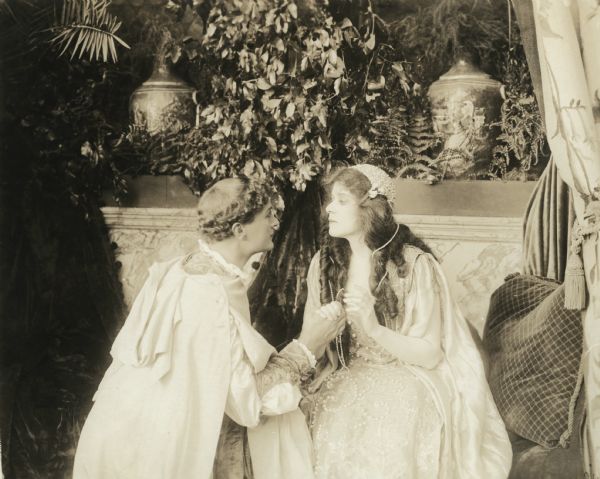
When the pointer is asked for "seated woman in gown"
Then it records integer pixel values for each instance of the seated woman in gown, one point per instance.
(403, 393)
(189, 372)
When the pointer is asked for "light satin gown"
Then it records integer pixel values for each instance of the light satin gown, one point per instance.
(187, 358)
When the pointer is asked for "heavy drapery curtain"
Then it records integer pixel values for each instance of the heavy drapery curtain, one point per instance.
(568, 45)
(547, 225)
(549, 216)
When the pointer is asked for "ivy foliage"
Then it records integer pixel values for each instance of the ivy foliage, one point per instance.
(288, 90)
(284, 91)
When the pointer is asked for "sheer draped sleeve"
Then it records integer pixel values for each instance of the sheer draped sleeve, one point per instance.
(423, 305)
(416, 339)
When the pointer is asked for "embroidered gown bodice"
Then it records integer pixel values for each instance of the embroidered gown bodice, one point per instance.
(375, 418)
(384, 418)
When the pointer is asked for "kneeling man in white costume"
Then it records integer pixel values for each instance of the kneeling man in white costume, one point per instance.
(194, 392)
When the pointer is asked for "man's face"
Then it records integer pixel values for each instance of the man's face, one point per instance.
(260, 231)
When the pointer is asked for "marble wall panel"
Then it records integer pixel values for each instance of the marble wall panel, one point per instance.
(476, 253)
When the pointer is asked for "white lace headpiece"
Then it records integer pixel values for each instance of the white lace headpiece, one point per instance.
(381, 182)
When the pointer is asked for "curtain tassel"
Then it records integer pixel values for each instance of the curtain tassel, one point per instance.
(575, 288)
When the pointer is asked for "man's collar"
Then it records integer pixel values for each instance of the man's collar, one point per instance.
(223, 263)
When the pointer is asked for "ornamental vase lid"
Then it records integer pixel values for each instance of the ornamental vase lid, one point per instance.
(163, 78)
(464, 72)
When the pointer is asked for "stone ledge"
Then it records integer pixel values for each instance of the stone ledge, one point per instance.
(501, 199)
(174, 219)
(465, 228)
(460, 228)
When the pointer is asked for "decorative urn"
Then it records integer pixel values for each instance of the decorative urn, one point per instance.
(163, 102)
(464, 103)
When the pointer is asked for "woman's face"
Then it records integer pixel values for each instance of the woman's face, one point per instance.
(343, 212)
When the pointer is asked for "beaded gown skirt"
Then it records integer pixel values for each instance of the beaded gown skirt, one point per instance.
(375, 419)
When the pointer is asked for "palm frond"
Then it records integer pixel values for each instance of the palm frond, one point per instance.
(87, 27)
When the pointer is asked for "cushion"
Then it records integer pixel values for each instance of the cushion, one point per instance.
(534, 346)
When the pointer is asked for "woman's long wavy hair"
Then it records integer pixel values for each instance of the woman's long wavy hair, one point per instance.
(379, 225)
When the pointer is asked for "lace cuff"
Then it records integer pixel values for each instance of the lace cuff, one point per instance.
(292, 365)
(311, 357)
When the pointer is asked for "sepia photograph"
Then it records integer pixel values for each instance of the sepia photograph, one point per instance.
(300, 239)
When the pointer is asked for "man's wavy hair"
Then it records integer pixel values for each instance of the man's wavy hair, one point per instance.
(379, 225)
(231, 201)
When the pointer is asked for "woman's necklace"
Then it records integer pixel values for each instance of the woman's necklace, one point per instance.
(339, 349)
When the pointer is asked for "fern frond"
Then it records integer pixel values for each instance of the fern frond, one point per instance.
(87, 27)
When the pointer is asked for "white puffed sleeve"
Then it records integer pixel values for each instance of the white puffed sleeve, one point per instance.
(270, 392)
